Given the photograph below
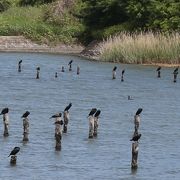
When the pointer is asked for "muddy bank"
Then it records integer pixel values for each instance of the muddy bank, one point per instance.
(21, 44)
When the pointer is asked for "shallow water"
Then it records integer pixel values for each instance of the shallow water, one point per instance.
(108, 156)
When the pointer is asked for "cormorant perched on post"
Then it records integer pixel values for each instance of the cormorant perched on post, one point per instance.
(159, 72)
(175, 73)
(14, 151)
(114, 72)
(4, 111)
(139, 111)
(68, 107)
(19, 66)
(26, 114)
(70, 65)
(56, 115)
(122, 75)
(115, 67)
(70, 62)
(93, 110)
(136, 138)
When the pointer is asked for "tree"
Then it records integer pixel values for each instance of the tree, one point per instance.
(4, 5)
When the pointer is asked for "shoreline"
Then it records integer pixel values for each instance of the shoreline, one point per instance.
(21, 44)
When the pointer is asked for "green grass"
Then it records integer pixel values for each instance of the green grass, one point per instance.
(29, 22)
(141, 48)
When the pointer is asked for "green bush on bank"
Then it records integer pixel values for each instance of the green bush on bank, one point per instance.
(138, 48)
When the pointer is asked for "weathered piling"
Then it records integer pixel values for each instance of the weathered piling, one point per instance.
(58, 133)
(56, 74)
(62, 69)
(91, 122)
(25, 126)
(134, 162)
(13, 160)
(175, 73)
(13, 155)
(78, 70)
(66, 117)
(58, 130)
(122, 75)
(4, 112)
(96, 122)
(158, 72)
(19, 65)
(70, 65)
(114, 72)
(37, 72)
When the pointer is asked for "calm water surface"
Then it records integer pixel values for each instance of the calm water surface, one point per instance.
(109, 156)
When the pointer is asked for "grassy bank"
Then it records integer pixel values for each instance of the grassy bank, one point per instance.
(142, 48)
(36, 24)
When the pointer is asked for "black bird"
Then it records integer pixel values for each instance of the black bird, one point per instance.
(97, 113)
(136, 138)
(70, 62)
(176, 70)
(159, 68)
(4, 111)
(68, 107)
(14, 151)
(115, 67)
(93, 110)
(38, 68)
(123, 71)
(20, 62)
(139, 111)
(26, 114)
(56, 115)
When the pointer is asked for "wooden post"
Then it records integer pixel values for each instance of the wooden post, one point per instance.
(96, 119)
(58, 133)
(66, 121)
(135, 148)
(6, 123)
(13, 160)
(62, 70)
(56, 75)
(122, 78)
(159, 74)
(91, 126)
(136, 123)
(175, 77)
(78, 70)
(26, 129)
(114, 74)
(70, 67)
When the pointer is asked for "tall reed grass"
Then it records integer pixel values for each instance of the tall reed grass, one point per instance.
(139, 48)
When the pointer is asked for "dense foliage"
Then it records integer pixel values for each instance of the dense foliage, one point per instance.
(4, 5)
(34, 2)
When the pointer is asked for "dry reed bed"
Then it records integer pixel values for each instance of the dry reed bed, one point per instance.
(141, 48)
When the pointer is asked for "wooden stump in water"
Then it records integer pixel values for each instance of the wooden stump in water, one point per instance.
(56, 75)
(159, 74)
(70, 67)
(78, 70)
(95, 126)
(6, 123)
(58, 142)
(91, 127)
(134, 162)
(13, 159)
(122, 78)
(66, 121)
(114, 75)
(58, 133)
(175, 77)
(136, 122)
(26, 129)
(62, 70)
